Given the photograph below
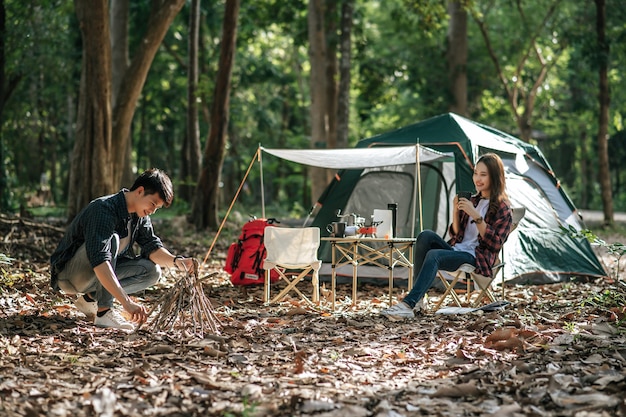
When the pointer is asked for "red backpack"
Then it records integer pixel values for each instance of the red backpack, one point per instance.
(244, 261)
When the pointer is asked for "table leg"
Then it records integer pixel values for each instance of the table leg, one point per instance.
(390, 273)
(333, 273)
(411, 265)
(355, 263)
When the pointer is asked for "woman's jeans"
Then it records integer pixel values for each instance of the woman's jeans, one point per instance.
(134, 275)
(432, 253)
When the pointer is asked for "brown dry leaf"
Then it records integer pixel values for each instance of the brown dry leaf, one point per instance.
(54, 362)
(468, 389)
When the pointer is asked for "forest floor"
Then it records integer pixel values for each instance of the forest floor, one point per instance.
(556, 350)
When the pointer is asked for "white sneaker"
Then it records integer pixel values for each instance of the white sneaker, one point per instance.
(398, 311)
(89, 309)
(113, 319)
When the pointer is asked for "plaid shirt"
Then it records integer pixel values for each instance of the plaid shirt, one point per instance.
(498, 229)
(95, 225)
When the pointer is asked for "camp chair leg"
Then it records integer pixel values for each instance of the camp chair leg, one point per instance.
(291, 285)
(266, 287)
(449, 289)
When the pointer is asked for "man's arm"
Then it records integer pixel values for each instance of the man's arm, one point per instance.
(164, 258)
(105, 274)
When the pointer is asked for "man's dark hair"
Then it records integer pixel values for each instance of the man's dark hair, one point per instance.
(155, 181)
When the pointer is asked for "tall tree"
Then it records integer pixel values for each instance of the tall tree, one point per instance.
(7, 86)
(91, 171)
(191, 154)
(102, 134)
(456, 56)
(603, 113)
(119, 14)
(205, 203)
(318, 80)
(523, 83)
(345, 69)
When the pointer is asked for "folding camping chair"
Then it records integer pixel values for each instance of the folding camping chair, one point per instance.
(482, 284)
(292, 252)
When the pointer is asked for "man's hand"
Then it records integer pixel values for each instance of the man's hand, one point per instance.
(136, 311)
(185, 264)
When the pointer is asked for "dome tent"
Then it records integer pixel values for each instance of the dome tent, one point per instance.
(536, 252)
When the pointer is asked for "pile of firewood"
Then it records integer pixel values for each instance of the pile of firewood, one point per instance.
(186, 307)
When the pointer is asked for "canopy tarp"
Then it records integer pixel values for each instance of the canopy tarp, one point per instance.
(359, 158)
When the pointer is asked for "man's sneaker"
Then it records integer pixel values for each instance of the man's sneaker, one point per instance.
(89, 309)
(113, 319)
(398, 311)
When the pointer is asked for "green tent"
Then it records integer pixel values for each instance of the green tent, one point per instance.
(536, 252)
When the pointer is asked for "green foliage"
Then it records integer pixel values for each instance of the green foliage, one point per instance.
(6, 279)
(606, 299)
(399, 76)
(615, 249)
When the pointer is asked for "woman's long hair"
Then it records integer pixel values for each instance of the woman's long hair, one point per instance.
(495, 167)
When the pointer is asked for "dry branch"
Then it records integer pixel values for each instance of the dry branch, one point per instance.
(185, 306)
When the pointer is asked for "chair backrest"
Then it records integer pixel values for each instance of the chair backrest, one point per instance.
(518, 214)
(292, 246)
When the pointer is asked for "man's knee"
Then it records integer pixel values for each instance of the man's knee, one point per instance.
(153, 273)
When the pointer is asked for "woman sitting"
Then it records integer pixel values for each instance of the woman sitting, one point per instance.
(480, 226)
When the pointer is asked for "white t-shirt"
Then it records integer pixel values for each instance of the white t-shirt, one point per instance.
(470, 239)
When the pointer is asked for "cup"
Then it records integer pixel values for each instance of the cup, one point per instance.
(337, 229)
(465, 194)
(351, 230)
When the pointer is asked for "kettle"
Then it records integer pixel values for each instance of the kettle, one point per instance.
(350, 219)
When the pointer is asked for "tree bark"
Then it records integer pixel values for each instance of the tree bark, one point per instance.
(119, 10)
(7, 86)
(522, 97)
(162, 13)
(345, 64)
(91, 168)
(603, 116)
(191, 155)
(102, 134)
(319, 121)
(332, 87)
(205, 204)
(457, 57)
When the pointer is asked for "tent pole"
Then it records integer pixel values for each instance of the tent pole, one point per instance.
(419, 187)
(262, 187)
(232, 203)
(417, 190)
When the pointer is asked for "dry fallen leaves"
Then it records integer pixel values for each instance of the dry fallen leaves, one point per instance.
(548, 354)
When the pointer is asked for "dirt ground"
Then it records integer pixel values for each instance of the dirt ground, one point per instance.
(556, 350)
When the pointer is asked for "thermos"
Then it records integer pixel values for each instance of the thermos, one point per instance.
(394, 214)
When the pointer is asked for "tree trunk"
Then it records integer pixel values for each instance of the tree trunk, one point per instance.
(522, 86)
(332, 87)
(603, 116)
(319, 121)
(102, 134)
(119, 56)
(91, 168)
(162, 13)
(190, 166)
(205, 204)
(457, 57)
(7, 86)
(585, 167)
(345, 63)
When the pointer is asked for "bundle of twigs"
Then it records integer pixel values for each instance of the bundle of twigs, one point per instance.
(185, 306)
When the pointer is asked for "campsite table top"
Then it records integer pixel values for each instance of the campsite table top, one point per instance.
(381, 252)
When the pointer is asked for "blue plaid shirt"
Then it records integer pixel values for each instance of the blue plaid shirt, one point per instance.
(95, 225)
(498, 229)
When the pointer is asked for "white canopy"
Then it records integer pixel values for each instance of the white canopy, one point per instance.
(352, 158)
(359, 158)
